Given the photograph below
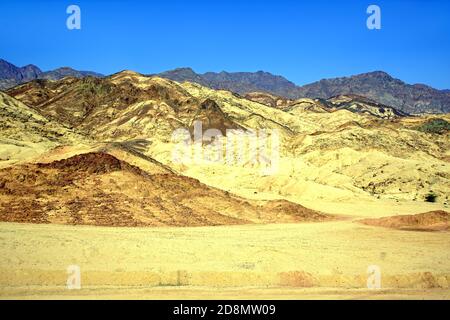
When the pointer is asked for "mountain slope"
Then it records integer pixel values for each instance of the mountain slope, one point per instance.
(25, 133)
(353, 103)
(330, 154)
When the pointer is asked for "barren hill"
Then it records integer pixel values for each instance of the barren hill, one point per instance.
(99, 189)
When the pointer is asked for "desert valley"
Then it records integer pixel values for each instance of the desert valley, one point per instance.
(88, 178)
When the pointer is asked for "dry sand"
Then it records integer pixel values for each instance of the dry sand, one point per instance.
(309, 260)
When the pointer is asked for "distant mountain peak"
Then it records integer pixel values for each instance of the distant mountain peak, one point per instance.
(4, 62)
(18, 74)
(377, 73)
(181, 74)
(183, 70)
(381, 87)
(11, 75)
(238, 82)
(31, 66)
(64, 68)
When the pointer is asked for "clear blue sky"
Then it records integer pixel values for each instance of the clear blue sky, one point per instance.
(302, 40)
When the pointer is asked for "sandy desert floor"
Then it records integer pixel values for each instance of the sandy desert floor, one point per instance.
(325, 260)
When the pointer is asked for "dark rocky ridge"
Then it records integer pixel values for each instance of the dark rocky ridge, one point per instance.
(11, 75)
(384, 89)
(378, 86)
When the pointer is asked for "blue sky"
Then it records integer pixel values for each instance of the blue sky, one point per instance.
(304, 41)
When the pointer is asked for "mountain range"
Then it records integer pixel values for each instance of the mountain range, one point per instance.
(11, 75)
(378, 86)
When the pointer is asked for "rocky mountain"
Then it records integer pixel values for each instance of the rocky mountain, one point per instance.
(384, 89)
(107, 106)
(19, 74)
(239, 82)
(73, 178)
(60, 73)
(378, 86)
(11, 75)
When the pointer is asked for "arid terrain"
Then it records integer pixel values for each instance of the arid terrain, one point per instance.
(88, 177)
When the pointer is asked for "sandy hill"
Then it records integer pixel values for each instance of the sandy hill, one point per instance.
(99, 189)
